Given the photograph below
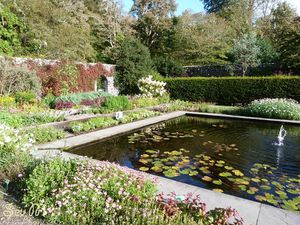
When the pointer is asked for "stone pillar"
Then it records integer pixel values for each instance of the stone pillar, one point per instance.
(110, 86)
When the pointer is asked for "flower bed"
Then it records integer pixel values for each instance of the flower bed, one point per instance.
(103, 122)
(273, 108)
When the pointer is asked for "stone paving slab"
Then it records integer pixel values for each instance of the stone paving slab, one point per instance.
(106, 133)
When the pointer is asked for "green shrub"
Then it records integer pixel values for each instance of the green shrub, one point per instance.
(168, 67)
(17, 120)
(273, 108)
(77, 98)
(23, 97)
(134, 62)
(17, 78)
(233, 90)
(46, 134)
(7, 102)
(92, 124)
(116, 103)
(130, 117)
(49, 100)
(209, 108)
(145, 102)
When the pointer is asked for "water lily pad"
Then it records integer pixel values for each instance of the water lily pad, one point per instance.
(145, 156)
(232, 145)
(219, 165)
(185, 172)
(193, 173)
(144, 169)
(144, 161)
(225, 174)
(194, 131)
(206, 178)
(151, 151)
(218, 182)
(277, 184)
(218, 190)
(291, 191)
(220, 162)
(156, 169)
(282, 195)
(260, 198)
(241, 181)
(171, 173)
(256, 180)
(290, 205)
(238, 173)
(228, 168)
(265, 187)
(242, 187)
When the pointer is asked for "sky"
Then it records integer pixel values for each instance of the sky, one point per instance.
(182, 5)
(197, 6)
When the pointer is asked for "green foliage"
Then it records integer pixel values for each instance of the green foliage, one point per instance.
(7, 102)
(152, 25)
(134, 62)
(116, 103)
(233, 90)
(274, 108)
(14, 153)
(49, 100)
(92, 124)
(104, 189)
(45, 178)
(245, 52)
(201, 40)
(168, 67)
(77, 98)
(17, 78)
(11, 29)
(23, 97)
(209, 108)
(17, 120)
(133, 116)
(214, 6)
(46, 134)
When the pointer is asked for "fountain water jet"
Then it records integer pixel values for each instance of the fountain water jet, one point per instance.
(281, 135)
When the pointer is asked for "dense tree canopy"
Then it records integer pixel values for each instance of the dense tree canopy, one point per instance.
(94, 30)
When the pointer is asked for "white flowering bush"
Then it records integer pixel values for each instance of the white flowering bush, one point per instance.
(151, 88)
(279, 108)
(15, 149)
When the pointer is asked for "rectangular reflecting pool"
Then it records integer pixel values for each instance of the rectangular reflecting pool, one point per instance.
(236, 157)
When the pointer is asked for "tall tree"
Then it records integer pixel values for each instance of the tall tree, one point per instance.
(153, 21)
(11, 28)
(246, 52)
(201, 39)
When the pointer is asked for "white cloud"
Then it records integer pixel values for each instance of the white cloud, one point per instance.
(295, 4)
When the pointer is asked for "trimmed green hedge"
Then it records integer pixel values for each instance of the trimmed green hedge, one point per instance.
(233, 90)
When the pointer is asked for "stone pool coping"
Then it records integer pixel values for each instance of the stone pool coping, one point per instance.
(253, 213)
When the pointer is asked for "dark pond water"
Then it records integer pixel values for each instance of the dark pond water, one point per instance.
(230, 156)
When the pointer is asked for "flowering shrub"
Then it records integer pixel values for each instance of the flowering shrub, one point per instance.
(14, 152)
(190, 210)
(279, 108)
(151, 88)
(82, 192)
(77, 192)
